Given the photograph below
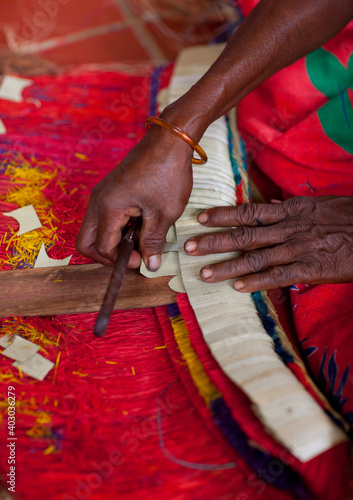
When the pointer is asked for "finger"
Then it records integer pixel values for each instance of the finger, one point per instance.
(250, 214)
(275, 277)
(90, 252)
(87, 233)
(135, 260)
(85, 242)
(109, 235)
(152, 239)
(252, 262)
(238, 239)
(85, 239)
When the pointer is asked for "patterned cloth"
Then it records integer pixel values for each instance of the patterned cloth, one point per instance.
(146, 413)
(298, 130)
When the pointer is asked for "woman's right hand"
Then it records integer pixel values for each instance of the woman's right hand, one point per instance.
(154, 181)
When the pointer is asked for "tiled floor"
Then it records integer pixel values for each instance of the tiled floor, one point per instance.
(93, 31)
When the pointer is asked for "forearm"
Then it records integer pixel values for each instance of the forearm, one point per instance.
(276, 34)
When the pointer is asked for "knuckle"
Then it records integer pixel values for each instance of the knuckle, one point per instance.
(79, 246)
(83, 248)
(281, 275)
(256, 261)
(319, 266)
(152, 242)
(313, 240)
(241, 237)
(247, 213)
(314, 232)
(335, 241)
(103, 251)
(298, 204)
(228, 268)
(335, 236)
(159, 218)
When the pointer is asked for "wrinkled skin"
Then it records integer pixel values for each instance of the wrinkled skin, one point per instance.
(154, 180)
(131, 191)
(302, 240)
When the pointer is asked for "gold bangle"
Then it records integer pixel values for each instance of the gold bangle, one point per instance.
(176, 130)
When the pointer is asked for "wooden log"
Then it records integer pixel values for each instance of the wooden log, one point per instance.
(76, 289)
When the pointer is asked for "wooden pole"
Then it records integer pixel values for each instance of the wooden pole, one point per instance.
(76, 289)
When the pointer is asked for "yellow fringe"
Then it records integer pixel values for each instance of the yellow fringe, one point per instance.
(27, 186)
(49, 450)
(200, 378)
(27, 331)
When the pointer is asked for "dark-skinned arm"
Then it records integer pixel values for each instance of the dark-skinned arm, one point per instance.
(276, 34)
(154, 181)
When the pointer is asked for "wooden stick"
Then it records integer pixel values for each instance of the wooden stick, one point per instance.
(76, 289)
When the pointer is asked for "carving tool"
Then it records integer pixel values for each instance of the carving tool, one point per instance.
(125, 248)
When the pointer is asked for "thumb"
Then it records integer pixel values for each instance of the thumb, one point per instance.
(152, 239)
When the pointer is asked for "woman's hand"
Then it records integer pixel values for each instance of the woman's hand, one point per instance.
(302, 240)
(154, 182)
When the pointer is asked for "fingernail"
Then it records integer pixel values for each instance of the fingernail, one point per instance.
(203, 217)
(154, 262)
(190, 246)
(207, 272)
(239, 285)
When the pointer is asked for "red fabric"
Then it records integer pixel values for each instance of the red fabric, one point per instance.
(243, 478)
(93, 429)
(317, 473)
(105, 394)
(104, 422)
(287, 136)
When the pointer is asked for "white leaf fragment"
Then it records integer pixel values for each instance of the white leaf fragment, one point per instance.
(27, 218)
(44, 261)
(11, 88)
(20, 349)
(36, 366)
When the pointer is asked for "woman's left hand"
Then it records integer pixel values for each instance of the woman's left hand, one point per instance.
(302, 240)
